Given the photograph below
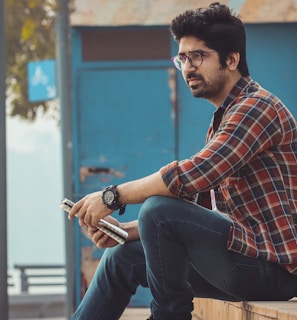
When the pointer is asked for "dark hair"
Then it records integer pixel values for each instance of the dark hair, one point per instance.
(218, 27)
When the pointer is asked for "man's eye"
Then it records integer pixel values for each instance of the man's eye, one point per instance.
(196, 55)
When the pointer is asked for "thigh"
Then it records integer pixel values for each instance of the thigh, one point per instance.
(199, 237)
(235, 276)
(230, 274)
(243, 279)
(177, 234)
(202, 288)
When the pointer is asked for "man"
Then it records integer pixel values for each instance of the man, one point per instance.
(244, 246)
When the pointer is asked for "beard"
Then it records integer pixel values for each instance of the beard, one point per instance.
(207, 88)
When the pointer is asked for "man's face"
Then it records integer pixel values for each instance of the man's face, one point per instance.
(208, 79)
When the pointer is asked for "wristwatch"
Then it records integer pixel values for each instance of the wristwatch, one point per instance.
(110, 198)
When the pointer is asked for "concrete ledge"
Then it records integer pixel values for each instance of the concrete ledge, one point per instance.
(50, 306)
(37, 306)
(209, 309)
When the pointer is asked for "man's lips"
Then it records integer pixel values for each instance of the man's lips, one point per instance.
(193, 81)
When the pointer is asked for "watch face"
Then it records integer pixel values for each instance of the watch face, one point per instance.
(108, 197)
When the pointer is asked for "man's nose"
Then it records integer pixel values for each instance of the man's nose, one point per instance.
(187, 65)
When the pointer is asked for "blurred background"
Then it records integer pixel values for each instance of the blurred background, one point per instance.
(34, 181)
(33, 140)
(93, 99)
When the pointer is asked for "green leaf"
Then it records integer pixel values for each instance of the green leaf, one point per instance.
(28, 30)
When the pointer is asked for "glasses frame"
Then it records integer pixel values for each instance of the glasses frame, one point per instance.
(186, 57)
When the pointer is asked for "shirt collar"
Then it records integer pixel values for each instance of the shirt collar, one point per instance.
(235, 92)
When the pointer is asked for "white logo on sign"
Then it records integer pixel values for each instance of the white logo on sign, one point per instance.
(51, 91)
(39, 77)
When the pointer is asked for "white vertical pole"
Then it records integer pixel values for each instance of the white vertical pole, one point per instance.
(3, 188)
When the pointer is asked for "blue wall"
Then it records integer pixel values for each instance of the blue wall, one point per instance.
(272, 58)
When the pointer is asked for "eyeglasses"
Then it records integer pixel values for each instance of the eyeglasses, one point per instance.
(195, 59)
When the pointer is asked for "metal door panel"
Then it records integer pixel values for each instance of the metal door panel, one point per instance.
(125, 130)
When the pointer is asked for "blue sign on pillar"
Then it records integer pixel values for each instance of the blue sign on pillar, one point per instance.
(42, 80)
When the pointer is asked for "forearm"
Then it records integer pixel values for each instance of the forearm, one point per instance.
(91, 208)
(138, 191)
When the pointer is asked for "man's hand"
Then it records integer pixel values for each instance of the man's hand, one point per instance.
(89, 210)
(99, 238)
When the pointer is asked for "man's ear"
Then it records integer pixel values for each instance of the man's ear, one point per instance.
(233, 60)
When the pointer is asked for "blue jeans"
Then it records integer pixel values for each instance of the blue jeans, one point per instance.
(182, 254)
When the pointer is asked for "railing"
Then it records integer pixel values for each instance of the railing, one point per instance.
(40, 276)
(10, 281)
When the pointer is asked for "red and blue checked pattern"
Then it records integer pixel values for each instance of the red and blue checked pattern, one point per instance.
(250, 160)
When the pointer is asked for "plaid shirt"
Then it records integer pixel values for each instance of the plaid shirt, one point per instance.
(250, 160)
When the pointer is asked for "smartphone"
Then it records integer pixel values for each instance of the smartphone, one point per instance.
(111, 230)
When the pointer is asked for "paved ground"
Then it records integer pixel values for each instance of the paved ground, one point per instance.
(135, 314)
(130, 314)
(40, 318)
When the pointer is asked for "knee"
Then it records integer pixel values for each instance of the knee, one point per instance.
(153, 210)
(149, 206)
(110, 258)
(116, 259)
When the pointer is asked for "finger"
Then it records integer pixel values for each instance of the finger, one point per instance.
(88, 219)
(81, 215)
(101, 242)
(97, 237)
(75, 209)
(91, 231)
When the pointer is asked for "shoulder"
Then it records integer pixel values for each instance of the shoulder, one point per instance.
(257, 102)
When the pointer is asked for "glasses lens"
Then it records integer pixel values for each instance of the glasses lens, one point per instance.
(195, 59)
(177, 62)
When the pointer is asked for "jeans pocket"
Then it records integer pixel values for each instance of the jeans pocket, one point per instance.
(248, 282)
